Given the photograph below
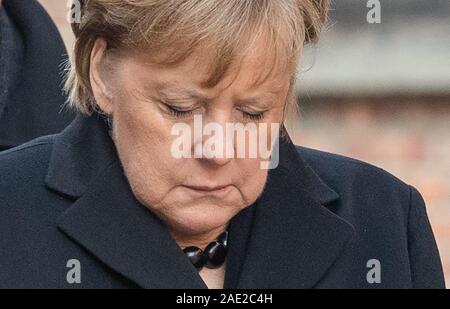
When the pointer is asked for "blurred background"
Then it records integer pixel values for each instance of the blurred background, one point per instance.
(378, 92)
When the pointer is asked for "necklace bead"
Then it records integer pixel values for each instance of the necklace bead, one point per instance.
(195, 255)
(223, 238)
(213, 256)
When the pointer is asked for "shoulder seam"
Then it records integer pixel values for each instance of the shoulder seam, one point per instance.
(354, 162)
(20, 148)
(338, 157)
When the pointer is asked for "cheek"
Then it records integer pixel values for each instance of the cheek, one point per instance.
(143, 141)
(250, 179)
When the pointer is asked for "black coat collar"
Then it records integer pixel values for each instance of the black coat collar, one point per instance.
(286, 239)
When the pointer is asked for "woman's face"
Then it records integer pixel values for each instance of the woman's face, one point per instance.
(191, 195)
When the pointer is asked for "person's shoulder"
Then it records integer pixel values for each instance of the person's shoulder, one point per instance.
(23, 192)
(25, 164)
(329, 164)
(358, 180)
(36, 147)
(388, 216)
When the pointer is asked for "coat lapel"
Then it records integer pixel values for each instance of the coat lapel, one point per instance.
(112, 225)
(294, 239)
(105, 218)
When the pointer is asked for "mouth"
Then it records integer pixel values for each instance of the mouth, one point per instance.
(215, 190)
(208, 188)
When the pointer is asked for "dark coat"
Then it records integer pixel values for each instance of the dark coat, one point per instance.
(32, 106)
(320, 219)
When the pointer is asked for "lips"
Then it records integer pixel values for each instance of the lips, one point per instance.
(216, 191)
(207, 189)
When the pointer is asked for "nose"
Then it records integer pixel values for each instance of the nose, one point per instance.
(216, 146)
(216, 161)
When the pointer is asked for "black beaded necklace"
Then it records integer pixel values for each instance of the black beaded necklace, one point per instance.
(212, 257)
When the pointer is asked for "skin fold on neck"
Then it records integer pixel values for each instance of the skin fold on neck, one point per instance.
(200, 240)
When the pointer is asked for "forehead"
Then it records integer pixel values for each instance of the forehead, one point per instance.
(191, 74)
(252, 67)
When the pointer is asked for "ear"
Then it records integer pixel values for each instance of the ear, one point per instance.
(98, 77)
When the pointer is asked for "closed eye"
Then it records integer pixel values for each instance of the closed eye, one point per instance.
(254, 116)
(176, 111)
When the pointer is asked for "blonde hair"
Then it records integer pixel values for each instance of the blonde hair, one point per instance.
(178, 27)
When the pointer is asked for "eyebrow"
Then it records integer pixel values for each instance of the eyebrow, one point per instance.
(263, 98)
(173, 88)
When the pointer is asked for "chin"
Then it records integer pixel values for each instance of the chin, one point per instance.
(201, 218)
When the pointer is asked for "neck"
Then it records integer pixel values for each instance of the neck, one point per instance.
(200, 240)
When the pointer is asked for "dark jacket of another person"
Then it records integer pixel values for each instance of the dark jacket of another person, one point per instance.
(31, 55)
